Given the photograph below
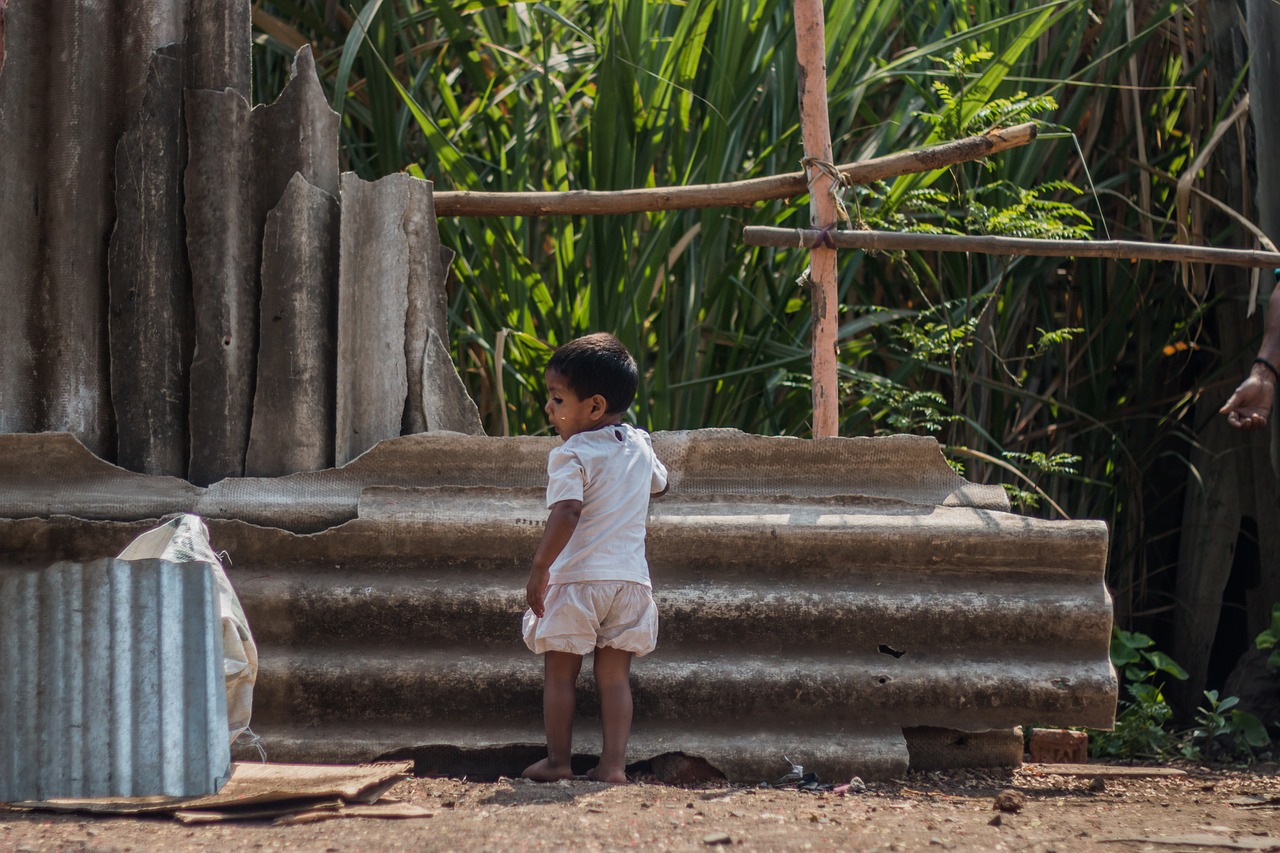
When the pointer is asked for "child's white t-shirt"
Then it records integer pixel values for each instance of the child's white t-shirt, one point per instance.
(612, 470)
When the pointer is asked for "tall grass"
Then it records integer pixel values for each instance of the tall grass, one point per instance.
(1018, 365)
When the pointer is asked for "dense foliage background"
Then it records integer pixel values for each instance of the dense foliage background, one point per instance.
(1074, 382)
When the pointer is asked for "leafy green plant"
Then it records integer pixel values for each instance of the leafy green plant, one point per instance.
(1270, 638)
(1143, 715)
(1144, 718)
(1224, 732)
(953, 121)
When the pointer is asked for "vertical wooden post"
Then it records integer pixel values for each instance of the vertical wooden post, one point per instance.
(811, 56)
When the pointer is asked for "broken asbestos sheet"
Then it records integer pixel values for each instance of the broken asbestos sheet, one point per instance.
(290, 792)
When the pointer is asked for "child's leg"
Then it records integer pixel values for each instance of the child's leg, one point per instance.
(613, 678)
(560, 677)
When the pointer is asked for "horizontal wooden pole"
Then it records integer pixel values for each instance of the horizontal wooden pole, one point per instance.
(888, 241)
(734, 194)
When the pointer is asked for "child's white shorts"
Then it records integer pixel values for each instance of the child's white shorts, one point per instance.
(579, 617)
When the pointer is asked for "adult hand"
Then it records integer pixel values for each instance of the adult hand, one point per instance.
(1250, 405)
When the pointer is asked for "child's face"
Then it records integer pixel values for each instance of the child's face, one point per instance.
(568, 414)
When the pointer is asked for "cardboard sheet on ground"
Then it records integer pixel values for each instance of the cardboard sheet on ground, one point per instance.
(392, 811)
(253, 784)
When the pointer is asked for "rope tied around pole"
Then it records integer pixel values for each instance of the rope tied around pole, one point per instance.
(814, 166)
(823, 239)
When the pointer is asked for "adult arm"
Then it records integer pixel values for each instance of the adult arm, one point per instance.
(560, 526)
(1250, 406)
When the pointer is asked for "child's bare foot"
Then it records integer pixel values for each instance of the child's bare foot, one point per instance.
(545, 771)
(616, 777)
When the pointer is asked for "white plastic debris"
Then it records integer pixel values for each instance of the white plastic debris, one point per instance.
(185, 539)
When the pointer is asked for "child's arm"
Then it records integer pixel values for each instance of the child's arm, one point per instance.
(560, 526)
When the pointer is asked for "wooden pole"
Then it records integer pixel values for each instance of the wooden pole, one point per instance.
(811, 57)
(731, 194)
(889, 241)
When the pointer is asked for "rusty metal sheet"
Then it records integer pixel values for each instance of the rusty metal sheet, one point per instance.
(239, 165)
(112, 684)
(151, 317)
(292, 426)
(373, 307)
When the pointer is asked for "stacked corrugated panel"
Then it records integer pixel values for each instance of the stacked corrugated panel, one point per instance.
(852, 604)
(112, 681)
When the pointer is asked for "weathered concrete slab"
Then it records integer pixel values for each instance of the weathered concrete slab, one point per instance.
(151, 316)
(292, 425)
(240, 164)
(113, 683)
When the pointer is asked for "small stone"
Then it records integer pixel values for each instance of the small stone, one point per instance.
(995, 821)
(717, 839)
(1010, 800)
(1098, 785)
(857, 786)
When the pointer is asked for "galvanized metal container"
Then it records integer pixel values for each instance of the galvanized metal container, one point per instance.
(112, 683)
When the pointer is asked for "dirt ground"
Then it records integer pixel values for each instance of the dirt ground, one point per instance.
(954, 810)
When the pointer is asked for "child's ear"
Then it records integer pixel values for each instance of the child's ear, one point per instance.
(599, 407)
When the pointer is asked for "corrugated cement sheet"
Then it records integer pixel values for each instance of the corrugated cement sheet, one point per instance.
(74, 73)
(852, 604)
(50, 474)
(241, 161)
(112, 684)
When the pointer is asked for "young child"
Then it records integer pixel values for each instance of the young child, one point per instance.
(589, 584)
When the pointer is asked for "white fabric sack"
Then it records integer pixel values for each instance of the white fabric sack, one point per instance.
(185, 539)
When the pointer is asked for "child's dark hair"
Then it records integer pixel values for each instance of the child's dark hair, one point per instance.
(598, 364)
